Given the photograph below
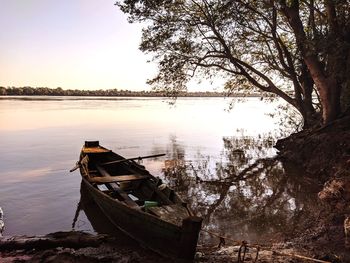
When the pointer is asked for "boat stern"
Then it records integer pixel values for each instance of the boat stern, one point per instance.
(191, 226)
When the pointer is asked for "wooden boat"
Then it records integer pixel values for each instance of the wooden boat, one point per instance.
(138, 203)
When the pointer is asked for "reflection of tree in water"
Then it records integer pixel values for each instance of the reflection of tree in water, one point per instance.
(243, 195)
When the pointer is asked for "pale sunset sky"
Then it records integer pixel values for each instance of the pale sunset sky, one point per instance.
(73, 44)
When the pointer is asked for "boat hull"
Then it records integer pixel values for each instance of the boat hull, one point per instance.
(169, 228)
(149, 231)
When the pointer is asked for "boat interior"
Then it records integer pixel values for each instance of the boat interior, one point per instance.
(130, 183)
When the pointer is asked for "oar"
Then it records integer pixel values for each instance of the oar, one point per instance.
(135, 158)
(78, 164)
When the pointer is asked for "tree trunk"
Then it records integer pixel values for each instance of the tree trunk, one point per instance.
(328, 89)
(309, 113)
(327, 86)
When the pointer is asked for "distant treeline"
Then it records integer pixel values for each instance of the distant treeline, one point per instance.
(43, 91)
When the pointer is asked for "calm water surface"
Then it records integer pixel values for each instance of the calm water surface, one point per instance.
(219, 161)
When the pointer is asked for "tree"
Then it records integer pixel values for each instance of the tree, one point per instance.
(297, 50)
(3, 91)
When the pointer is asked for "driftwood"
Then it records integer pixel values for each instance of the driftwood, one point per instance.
(73, 247)
(73, 239)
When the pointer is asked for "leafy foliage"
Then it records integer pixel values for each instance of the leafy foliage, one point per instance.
(250, 44)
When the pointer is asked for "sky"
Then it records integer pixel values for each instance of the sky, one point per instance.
(73, 44)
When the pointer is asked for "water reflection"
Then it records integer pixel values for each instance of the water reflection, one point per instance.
(41, 139)
(100, 223)
(240, 194)
(243, 195)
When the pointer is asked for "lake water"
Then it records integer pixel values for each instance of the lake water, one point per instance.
(219, 161)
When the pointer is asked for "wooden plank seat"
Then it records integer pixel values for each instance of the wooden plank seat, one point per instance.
(112, 185)
(106, 177)
(114, 179)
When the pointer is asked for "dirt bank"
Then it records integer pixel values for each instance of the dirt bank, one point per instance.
(325, 153)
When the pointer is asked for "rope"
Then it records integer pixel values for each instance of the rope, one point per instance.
(244, 246)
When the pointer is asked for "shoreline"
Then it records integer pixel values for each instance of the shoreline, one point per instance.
(76, 246)
(140, 96)
(44, 91)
